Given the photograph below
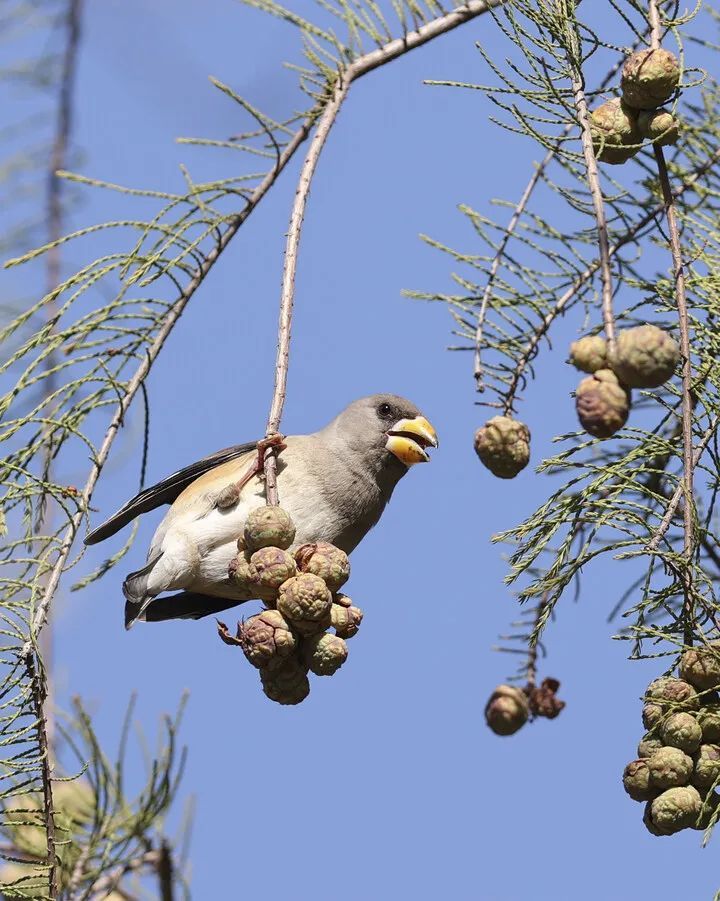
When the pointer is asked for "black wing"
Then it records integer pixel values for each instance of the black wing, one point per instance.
(165, 492)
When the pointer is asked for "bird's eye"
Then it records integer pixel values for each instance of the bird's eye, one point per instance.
(385, 411)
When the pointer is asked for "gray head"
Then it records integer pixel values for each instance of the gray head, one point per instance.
(389, 432)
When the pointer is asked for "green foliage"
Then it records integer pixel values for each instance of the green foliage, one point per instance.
(104, 833)
(621, 497)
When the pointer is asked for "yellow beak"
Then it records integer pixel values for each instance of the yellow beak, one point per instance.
(408, 438)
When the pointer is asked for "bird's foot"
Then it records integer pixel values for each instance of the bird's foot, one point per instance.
(273, 441)
(230, 494)
(225, 635)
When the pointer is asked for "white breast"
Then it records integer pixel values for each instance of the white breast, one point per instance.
(197, 540)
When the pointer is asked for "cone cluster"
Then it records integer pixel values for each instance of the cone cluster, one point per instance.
(307, 619)
(619, 126)
(510, 707)
(503, 446)
(645, 356)
(677, 769)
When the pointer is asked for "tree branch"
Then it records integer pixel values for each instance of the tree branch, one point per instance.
(654, 20)
(133, 386)
(361, 66)
(287, 294)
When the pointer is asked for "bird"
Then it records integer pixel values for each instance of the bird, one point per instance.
(334, 483)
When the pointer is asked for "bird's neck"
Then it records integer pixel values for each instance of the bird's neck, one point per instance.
(375, 462)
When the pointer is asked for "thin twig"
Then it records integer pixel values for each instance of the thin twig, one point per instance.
(287, 294)
(687, 402)
(659, 534)
(78, 870)
(585, 277)
(593, 179)
(684, 325)
(654, 20)
(532, 648)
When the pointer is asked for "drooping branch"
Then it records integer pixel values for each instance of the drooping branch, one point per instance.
(687, 401)
(684, 326)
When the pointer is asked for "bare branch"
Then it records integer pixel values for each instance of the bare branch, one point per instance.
(654, 19)
(287, 294)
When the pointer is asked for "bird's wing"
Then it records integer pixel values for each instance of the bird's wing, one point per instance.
(165, 492)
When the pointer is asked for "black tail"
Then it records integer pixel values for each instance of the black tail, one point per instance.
(184, 605)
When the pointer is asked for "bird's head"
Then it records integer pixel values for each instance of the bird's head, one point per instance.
(388, 428)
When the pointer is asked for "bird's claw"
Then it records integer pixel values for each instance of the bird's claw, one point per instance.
(276, 441)
(256, 467)
(225, 635)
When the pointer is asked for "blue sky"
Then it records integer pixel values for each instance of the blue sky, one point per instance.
(385, 783)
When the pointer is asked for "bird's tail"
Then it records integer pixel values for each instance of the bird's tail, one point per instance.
(135, 589)
(184, 605)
